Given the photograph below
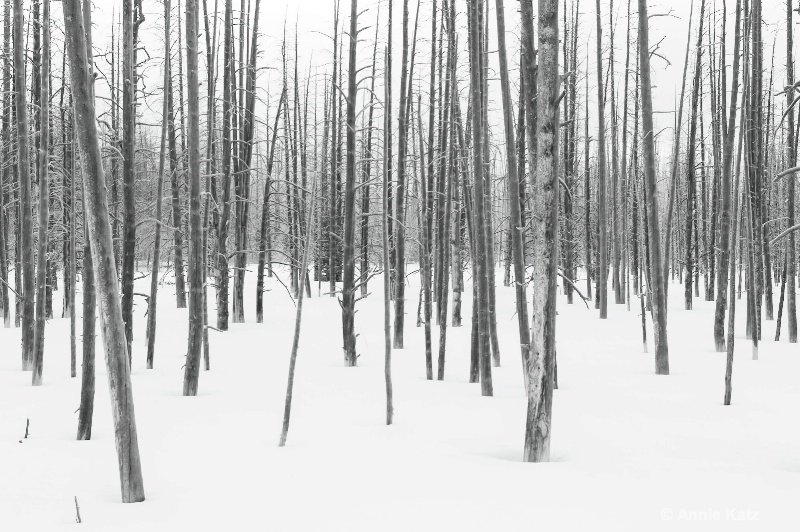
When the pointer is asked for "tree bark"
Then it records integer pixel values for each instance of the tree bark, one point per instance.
(348, 277)
(658, 284)
(117, 361)
(540, 366)
(195, 343)
(44, 200)
(25, 251)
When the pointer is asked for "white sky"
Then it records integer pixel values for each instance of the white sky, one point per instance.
(314, 19)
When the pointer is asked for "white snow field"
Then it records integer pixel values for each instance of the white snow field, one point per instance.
(630, 450)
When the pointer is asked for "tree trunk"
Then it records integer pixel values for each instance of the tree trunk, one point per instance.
(222, 232)
(791, 160)
(481, 219)
(602, 278)
(726, 247)
(128, 166)
(152, 300)
(658, 284)
(517, 229)
(44, 200)
(117, 360)
(540, 366)
(25, 251)
(348, 278)
(195, 344)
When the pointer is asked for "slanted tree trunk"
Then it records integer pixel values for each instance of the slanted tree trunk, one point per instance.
(287, 411)
(517, 229)
(112, 324)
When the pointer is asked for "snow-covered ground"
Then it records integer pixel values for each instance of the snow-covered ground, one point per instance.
(630, 450)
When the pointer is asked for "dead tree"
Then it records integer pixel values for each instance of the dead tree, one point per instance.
(602, 277)
(517, 229)
(44, 199)
(690, 170)
(349, 251)
(196, 321)
(480, 218)
(128, 166)
(25, 249)
(658, 283)
(113, 327)
(400, 199)
(225, 199)
(152, 300)
(726, 250)
(791, 160)
(540, 365)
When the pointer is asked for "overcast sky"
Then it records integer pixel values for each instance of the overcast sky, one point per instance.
(314, 22)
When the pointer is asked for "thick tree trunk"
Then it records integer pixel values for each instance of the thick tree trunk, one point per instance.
(658, 284)
(117, 361)
(540, 365)
(25, 250)
(195, 343)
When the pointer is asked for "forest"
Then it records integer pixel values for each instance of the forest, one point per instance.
(494, 209)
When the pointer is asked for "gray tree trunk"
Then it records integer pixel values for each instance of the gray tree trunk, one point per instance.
(658, 284)
(540, 367)
(112, 325)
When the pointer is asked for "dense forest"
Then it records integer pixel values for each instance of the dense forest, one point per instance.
(174, 155)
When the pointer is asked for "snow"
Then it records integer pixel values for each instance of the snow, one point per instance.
(630, 450)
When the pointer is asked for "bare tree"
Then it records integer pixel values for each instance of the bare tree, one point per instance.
(113, 327)
(25, 251)
(196, 320)
(44, 199)
(349, 254)
(658, 284)
(540, 365)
